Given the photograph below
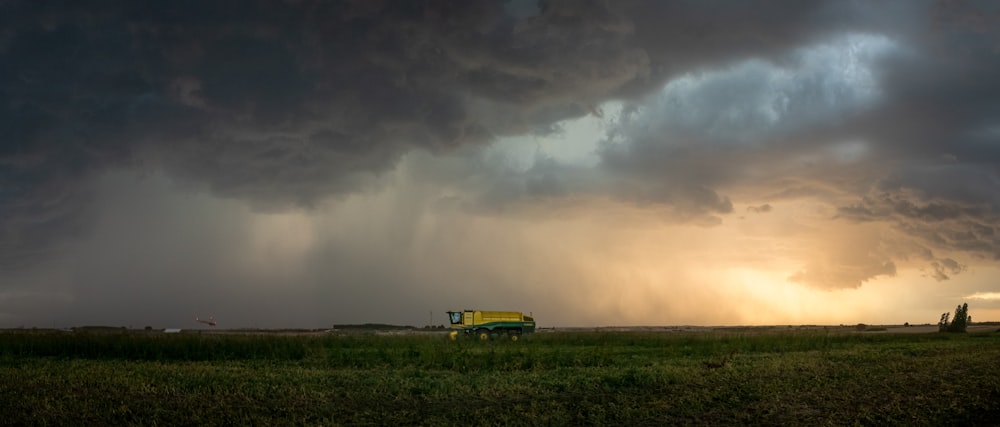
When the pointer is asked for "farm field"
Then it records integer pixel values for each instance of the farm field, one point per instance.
(794, 376)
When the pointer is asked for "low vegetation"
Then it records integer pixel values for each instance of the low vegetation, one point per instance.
(799, 377)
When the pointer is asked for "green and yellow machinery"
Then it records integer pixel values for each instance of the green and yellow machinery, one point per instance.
(486, 325)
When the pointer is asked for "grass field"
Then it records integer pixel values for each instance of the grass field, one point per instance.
(769, 376)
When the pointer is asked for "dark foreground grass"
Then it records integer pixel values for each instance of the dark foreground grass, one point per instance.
(577, 378)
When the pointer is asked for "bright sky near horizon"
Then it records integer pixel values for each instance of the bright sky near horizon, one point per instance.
(300, 164)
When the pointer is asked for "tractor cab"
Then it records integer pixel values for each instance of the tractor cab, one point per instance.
(459, 319)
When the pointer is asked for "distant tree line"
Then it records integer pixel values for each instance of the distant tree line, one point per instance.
(959, 323)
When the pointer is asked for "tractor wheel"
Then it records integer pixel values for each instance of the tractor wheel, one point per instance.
(515, 336)
(453, 335)
(483, 334)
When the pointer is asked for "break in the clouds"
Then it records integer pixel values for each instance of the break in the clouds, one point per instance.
(611, 162)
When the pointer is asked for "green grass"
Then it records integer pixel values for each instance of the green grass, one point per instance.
(791, 377)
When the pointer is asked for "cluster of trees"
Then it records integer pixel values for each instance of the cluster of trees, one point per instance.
(959, 323)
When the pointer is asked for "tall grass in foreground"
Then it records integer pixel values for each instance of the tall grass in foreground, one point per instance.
(434, 351)
(151, 346)
(575, 378)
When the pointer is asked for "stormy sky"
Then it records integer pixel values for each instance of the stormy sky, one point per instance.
(305, 163)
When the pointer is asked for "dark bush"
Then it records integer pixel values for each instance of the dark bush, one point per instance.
(959, 324)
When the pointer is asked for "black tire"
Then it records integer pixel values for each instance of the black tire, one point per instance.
(483, 334)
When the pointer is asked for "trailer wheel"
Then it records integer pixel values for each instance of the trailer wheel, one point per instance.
(483, 334)
(514, 336)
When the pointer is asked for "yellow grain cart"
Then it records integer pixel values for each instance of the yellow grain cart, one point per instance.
(486, 325)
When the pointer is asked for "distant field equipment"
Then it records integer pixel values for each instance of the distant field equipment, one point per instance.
(487, 325)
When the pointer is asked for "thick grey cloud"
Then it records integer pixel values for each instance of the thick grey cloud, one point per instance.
(942, 224)
(894, 125)
(888, 111)
(283, 103)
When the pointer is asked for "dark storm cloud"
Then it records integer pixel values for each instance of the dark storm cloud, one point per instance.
(276, 103)
(942, 268)
(750, 123)
(938, 135)
(900, 112)
(283, 103)
(944, 224)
